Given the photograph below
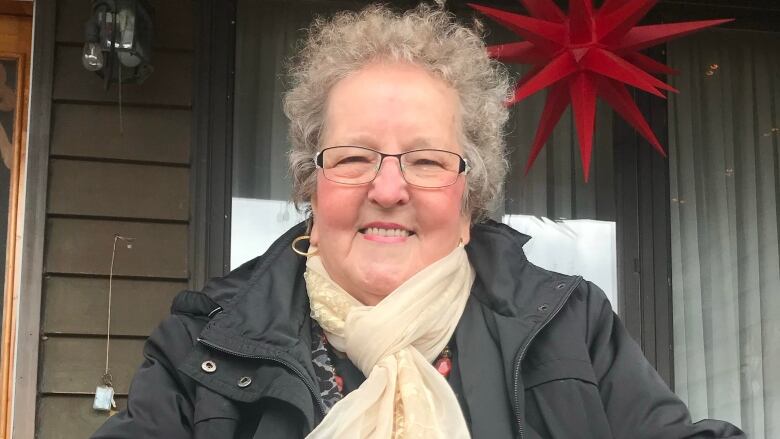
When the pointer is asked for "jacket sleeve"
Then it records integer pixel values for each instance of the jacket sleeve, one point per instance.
(637, 401)
(158, 405)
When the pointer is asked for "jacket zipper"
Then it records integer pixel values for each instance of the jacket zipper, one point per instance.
(316, 397)
(521, 354)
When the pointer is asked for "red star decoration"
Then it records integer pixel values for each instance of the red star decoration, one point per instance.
(586, 54)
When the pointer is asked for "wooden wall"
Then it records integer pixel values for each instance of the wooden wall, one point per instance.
(104, 182)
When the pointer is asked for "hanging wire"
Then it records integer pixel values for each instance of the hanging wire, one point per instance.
(107, 376)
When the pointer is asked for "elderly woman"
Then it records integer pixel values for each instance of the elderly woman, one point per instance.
(398, 310)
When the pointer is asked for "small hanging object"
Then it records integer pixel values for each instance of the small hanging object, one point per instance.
(104, 396)
(104, 393)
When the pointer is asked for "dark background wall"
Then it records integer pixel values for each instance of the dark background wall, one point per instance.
(103, 182)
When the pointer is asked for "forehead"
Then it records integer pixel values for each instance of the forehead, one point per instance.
(392, 105)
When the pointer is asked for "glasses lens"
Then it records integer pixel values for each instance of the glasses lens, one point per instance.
(431, 167)
(349, 164)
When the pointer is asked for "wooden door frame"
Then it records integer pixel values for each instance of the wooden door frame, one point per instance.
(20, 391)
(15, 209)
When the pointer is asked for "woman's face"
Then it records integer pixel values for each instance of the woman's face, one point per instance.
(391, 108)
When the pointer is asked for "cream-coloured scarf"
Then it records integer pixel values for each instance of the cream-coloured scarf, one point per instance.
(393, 343)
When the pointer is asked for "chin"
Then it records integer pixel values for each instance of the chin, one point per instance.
(380, 286)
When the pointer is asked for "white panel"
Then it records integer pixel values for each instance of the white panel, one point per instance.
(579, 247)
(256, 224)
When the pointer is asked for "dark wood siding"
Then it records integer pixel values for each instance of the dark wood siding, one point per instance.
(150, 134)
(125, 190)
(74, 411)
(74, 362)
(104, 181)
(169, 85)
(86, 296)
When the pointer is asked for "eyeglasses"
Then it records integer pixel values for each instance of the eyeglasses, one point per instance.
(427, 168)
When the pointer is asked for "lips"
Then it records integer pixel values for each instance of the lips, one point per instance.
(386, 230)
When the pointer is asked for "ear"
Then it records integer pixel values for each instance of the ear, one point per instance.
(465, 228)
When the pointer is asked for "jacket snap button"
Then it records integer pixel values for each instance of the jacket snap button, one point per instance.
(244, 382)
(543, 307)
(208, 366)
(560, 286)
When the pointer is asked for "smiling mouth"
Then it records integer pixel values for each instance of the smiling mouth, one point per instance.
(389, 233)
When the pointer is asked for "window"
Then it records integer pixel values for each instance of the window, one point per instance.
(725, 210)
(266, 35)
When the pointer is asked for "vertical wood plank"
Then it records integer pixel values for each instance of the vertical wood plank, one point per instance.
(211, 183)
(26, 359)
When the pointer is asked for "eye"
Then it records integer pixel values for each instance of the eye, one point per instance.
(353, 159)
(426, 163)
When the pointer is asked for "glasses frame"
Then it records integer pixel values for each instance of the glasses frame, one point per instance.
(463, 165)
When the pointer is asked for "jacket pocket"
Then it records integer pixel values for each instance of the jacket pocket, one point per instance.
(560, 369)
(562, 400)
(214, 415)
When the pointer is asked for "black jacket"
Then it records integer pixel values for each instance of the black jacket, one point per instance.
(539, 355)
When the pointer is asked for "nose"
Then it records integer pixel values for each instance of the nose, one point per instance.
(389, 187)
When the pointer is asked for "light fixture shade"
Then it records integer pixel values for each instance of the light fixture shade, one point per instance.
(123, 31)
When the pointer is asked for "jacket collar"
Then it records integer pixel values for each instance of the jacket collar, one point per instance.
(264, 313)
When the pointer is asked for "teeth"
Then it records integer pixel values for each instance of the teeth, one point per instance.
(387, 232)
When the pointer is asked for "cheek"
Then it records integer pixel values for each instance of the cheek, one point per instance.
(443, 209)
(334, 206)
(454, 198)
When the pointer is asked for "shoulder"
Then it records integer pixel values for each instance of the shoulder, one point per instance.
(496, 252)
(586, 310)
(191, 310)
(590, 300)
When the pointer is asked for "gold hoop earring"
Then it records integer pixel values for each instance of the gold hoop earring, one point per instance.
(302, 253)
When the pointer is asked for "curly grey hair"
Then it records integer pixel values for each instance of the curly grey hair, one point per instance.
(425, 36)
